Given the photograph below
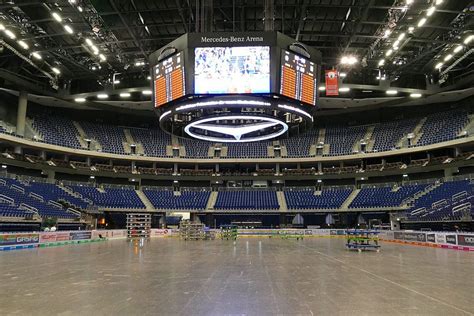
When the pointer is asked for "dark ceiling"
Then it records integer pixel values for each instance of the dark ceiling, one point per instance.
(127, 31)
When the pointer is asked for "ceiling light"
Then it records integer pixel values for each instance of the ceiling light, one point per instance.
(116, 81)
(430, 11)
(421, 22)
(391, 92)
(439, 2)
(89, 42)
(342, 74)
(468, 39)
(348, 60)
(23, 44)
(102, 96)
(56, 16)
(387, 33)
(381, 62)
(95, 50)
(2, 27)
(415, 95)
(94, 68)
(322, 88)
(72, 1)
(10, 34)
(458, 49)
(448, 57)
(56, 70)
(125, 95)
(80, 100)
(148, 78)
(438, 65)
(395, 44)
(102, 57)
(36, 55)
(79, 8)
(401, 36)
(68, 29)
(389, 52)
(344, 89)
(147, 92)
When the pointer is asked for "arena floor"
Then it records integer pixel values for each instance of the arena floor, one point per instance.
(253, 277)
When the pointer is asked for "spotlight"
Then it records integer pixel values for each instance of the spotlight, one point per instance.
(421, 22)
(468, 39)
(344, 89)
(56, 70)
(80, 100)
(102, 96)
(10, 34)
(458, 49)
(23, 44)
(430, 11)
(415, 95)
(448, 57)
(147, 92)
(56, 16)
(391, 92)
(438, 65)
(125, 95)
(68, 29)
(381, 62)
(36, 55)
(348, 60)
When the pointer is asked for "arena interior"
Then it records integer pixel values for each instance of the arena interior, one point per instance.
(236, 157)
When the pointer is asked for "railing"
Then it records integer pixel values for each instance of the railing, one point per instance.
(7, 199)
(418, 211)
(17, 188)
(465, 207)
(55, 204)
(459, 196)
(439, 204)
(29, 208)
(36, 196)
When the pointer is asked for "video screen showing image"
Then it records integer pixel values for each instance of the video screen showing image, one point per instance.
(221, 70)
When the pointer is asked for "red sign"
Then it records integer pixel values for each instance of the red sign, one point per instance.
(332, 84)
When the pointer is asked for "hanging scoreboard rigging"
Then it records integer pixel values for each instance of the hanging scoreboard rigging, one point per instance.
(298, 78)
(169, 80)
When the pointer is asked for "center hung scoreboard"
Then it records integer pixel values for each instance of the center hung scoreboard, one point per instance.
(259, 64)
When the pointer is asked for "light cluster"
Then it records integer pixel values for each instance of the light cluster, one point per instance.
(25, 46)
(389, 53)
(453, 51)
(104, 96)
(89, 43)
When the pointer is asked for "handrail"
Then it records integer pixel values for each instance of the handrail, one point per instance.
(461, 207)
(26, 207)
(438, 204)
(55, 204)
(17, 188)
(7, 199)
(458, 196)
(36, 196)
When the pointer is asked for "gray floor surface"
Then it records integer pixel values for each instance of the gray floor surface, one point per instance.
(253, 277)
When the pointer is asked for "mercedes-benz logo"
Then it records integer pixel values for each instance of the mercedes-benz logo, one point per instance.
(236, 128)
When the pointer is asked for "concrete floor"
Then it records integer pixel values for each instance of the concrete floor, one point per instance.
(254, 277)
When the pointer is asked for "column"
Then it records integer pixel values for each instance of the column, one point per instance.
(21, 113)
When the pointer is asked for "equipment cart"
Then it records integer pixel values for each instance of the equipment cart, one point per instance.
(357, 239)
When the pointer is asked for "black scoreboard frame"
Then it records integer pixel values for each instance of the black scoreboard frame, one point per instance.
(277, 42)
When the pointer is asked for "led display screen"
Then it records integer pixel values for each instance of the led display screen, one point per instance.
(169, 79)
(298, 78)
(221, 70)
